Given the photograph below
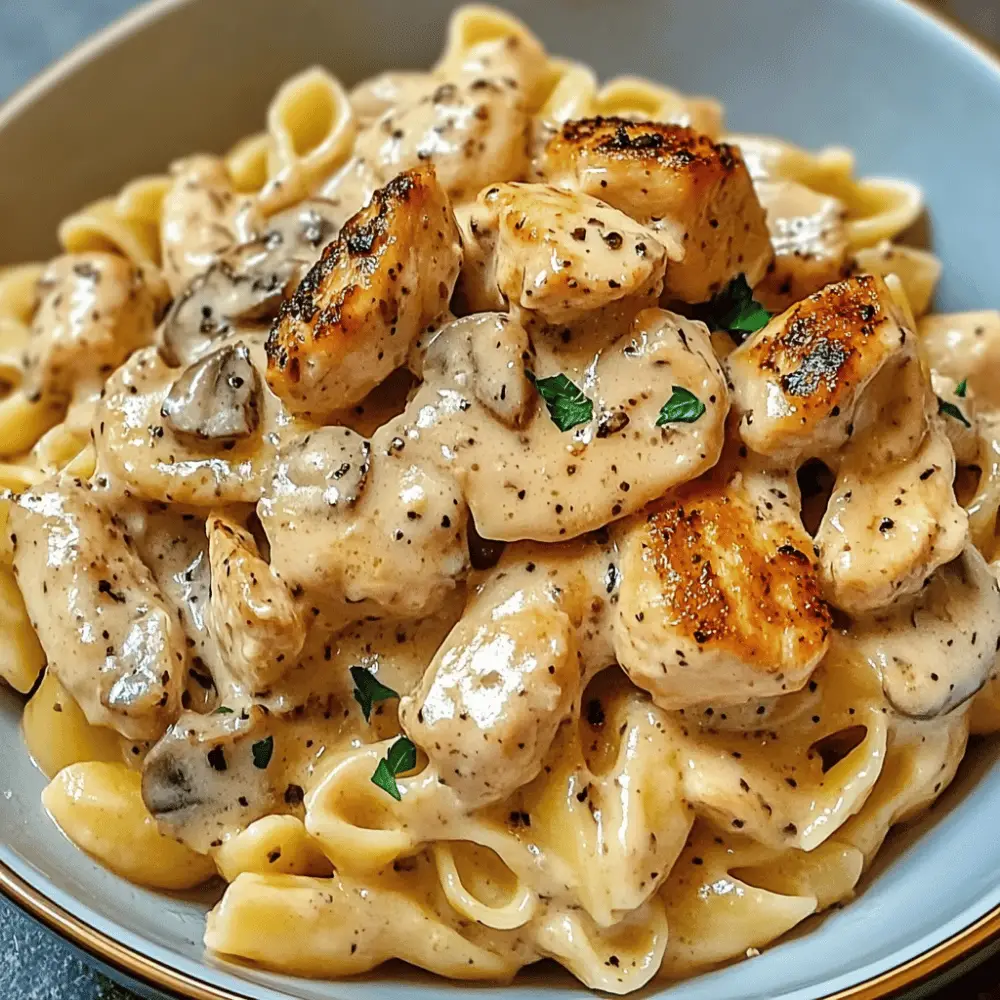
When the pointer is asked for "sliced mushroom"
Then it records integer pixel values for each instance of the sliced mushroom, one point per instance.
(204, 780)
(218, 398)
(498, 348)
(247, 285)
(936, 651)
(330, 463)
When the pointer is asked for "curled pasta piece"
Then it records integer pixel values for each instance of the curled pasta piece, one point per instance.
(920, 762)
(18, 300)
(484, 41)
(127, 224)
(99, 806)
(24, 419)
(726, 895)
(23, 657)
(880, 209)
(643, 100)
(571, 94)
(247, 162)
(984, 715)
(18, 291)
(789, 771)
(58, 734)
(917, 270)
(616, 959)
(60, 447)
(272, 845)
(768, 158)
(312, 129)
(360, 827)
(341, 926)
(508, 909)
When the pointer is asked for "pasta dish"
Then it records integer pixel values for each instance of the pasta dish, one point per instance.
(493, 515)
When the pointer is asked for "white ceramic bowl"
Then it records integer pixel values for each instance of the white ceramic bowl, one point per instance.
(912, 98)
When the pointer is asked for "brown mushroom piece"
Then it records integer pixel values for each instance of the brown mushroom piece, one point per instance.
(247, 285)
(211, 776)
(218, 397)
(937, 650)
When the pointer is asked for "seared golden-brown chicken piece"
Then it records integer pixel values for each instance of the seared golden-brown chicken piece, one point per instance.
(720, 597)
(677, 181)
(559, 255)
(809, 239)
(798, 382)
(356, 314)
(109, 636)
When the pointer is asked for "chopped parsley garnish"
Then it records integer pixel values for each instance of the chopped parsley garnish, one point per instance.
(683, 407)
(223, 710)
(262, 751)
(566, 403)
(951, 410)
(368, 689)
(402, 756)
(735, 309)
(962, 388)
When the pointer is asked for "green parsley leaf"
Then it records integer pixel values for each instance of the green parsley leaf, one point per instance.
(402, 756)
(262, 751)
(223, 710)
(735, 309)
(566, 403)
(951, 410)
(368, 689)
(962, 388)
(683, 407)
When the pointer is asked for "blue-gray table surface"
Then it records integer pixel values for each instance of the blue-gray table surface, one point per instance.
(33, 965)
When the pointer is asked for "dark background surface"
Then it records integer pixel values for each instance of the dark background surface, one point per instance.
(33, 964)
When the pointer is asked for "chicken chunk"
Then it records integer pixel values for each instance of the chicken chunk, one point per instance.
(550, 482)
(888, 526)
(692, 191)
(936, 651)
(161, 432)
(198, 218)
(966, 346)
(809, 239)
(372, 98)
(352, 521)
(108, 634)
(492, 698)
(252, 616)
(720, 598)
(93, 311)
(799, 381)
(356, 314)
(209, 776)
(559, 255)
(472, 132)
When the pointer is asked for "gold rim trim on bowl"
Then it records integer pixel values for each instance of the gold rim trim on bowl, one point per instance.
(161, 977)
(158, 976)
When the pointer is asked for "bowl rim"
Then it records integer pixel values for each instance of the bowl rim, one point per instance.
(154, 974)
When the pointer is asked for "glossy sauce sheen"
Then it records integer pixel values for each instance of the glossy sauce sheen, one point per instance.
(452, 589)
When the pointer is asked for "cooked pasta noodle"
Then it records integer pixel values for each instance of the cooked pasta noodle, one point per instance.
(485, 518)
